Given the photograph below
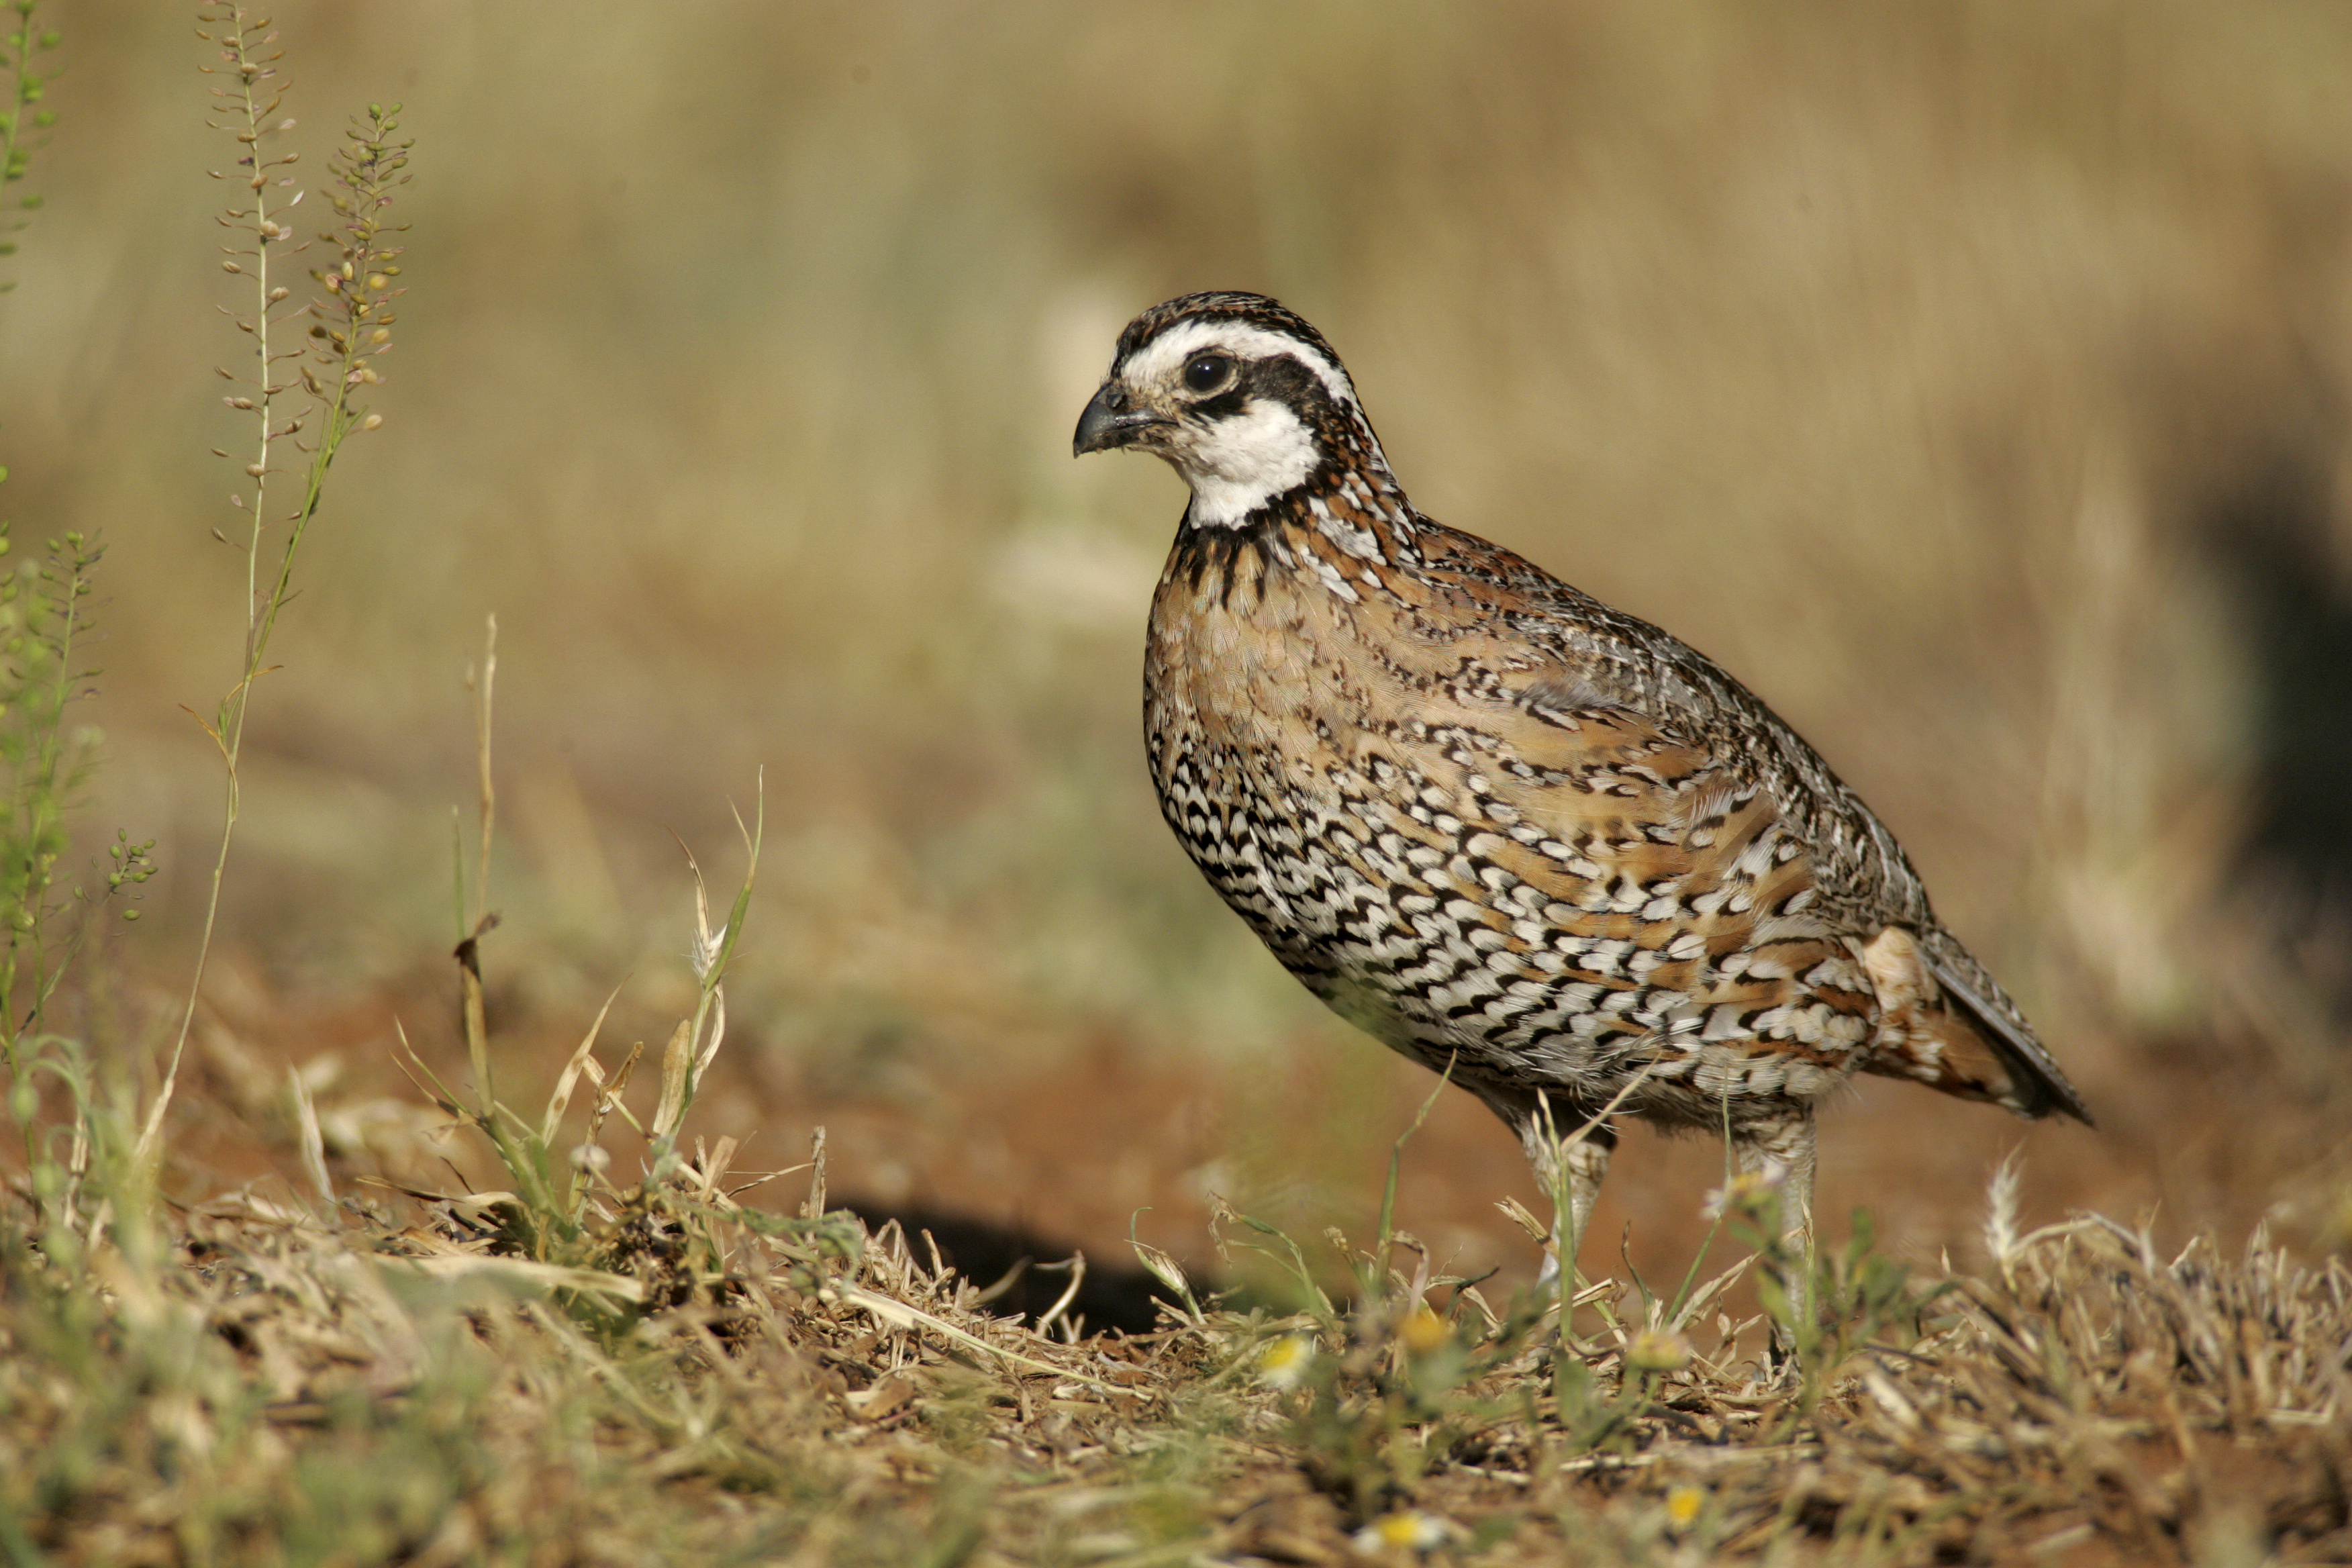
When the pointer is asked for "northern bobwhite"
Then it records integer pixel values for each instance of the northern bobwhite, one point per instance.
(1497, 824)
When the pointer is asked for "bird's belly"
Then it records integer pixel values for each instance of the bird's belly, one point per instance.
(1371, 872)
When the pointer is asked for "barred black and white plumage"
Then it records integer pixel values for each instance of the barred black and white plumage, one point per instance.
(1496, 821)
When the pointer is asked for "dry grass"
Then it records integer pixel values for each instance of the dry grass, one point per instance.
(733, 1385)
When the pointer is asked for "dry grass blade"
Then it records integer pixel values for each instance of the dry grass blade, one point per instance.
(561, 1099)
(545, 1276)
(677, 1082)
(313, 1141)
(485, 689)
(899, 1314)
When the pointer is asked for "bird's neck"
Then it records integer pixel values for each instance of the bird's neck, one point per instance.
(1344, 493)
(1347, 528)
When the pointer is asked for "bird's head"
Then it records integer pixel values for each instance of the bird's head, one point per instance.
(1241, 397)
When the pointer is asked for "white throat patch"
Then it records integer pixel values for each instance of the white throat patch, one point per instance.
(1245, 461)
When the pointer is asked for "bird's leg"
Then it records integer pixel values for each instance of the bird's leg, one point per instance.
(1779, 1149)
(1582, 1160)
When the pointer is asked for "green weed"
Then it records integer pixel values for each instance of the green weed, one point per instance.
(23, 116)
(351, 332)
(46, 763)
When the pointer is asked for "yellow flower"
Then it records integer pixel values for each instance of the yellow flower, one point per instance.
(1423, 1330)
(1407, 1527)
(1284, 1361)
(1683, 1501)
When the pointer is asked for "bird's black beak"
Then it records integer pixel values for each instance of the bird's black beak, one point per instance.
(1110, 421)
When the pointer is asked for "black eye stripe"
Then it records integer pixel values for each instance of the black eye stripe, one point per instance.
(1224, 404)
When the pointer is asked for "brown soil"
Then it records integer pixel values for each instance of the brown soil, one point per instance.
(1038, 1158)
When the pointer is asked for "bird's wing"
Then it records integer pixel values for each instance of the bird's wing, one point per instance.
(1601, 656)
(1704, 848)
(1673, 885)
(1613, 674)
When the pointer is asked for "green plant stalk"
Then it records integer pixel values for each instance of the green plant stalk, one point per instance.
(227, 731)
(1563, 1207)
(48, 805)
(43, 764)
(1319, 1304)
(35, 798)
(1396, 1164)
(18, 66)
(711, 963)
(24, 92)
(341, 418)
(1563, 1218)
(34, 812)
(1715, 1225)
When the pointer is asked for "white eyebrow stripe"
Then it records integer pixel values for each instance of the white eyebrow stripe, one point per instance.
(1172, 348)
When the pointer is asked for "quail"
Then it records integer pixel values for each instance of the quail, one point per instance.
(1514, 834)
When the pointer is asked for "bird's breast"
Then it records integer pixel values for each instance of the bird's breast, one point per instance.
(1554, 896)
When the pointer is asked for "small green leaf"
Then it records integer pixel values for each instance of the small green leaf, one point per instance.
(1773, 1296)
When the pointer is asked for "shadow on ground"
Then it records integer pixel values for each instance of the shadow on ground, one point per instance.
(1028, 1272)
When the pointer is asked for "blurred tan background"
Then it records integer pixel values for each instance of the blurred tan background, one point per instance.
(1972, 380)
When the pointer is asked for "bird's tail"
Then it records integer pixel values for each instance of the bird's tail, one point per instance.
(1943, 1022)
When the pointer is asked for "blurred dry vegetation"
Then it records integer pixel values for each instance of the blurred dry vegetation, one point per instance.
(1972, 379)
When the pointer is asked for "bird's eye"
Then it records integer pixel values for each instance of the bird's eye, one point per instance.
(1205, 371)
